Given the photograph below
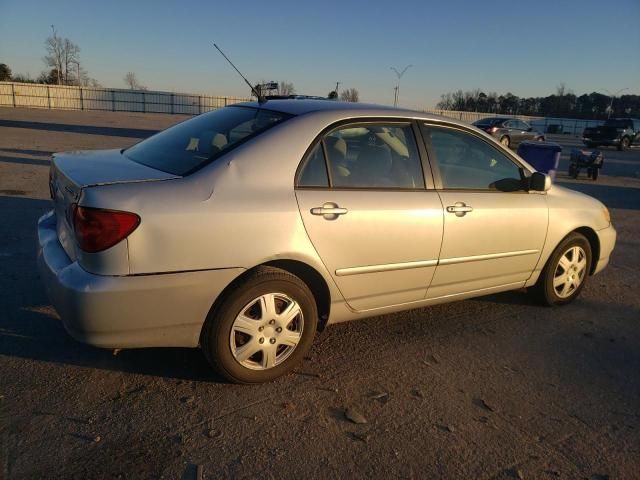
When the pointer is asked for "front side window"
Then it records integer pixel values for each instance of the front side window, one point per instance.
(374, 156)
(192, 144)
(468, 162)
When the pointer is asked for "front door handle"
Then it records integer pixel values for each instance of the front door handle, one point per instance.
(329, 211)
(460, 209)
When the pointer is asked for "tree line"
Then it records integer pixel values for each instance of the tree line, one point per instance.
(563, 103)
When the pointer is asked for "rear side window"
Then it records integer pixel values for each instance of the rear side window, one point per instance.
(372, 156)
(190, 145)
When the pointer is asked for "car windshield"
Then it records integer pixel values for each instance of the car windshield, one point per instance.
(190, 145)
(617, 123)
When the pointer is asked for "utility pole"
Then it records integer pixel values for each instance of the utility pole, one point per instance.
(397, 87)
(612, 95)
(78, 70)
(337, 85)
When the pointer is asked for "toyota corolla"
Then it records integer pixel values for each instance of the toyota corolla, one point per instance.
(245, 230)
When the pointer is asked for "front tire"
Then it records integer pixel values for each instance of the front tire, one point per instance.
(624, 144)
(566, 271)
(262, 329)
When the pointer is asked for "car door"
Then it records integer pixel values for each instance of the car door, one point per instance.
(362, 197)
(494, 230)
(518, 132)
(526, 132)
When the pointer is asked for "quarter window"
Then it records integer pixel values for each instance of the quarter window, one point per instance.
(468, 162)
(314, 172)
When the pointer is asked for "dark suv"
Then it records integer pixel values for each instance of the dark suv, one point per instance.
(509, 131)
(618, 132)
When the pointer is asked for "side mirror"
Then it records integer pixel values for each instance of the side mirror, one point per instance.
(539, 182)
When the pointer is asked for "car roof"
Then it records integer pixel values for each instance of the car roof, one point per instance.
(493, 119)
(302, 106)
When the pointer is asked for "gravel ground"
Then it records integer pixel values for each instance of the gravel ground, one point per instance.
(494, 387)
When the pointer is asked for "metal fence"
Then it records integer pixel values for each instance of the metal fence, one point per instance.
(569, 126)
(33, 95)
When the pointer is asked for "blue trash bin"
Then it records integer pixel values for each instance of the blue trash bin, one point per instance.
(543, 156)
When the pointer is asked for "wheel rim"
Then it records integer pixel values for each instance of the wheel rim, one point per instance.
(266, 331)
(505, 141)
(570, 272)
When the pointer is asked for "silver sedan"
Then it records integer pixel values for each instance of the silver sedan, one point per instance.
(245, 230)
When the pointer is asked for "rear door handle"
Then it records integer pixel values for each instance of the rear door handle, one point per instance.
(329, 210)
(460, 209)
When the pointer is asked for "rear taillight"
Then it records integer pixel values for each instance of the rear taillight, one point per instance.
(492, 129)
(97, 229)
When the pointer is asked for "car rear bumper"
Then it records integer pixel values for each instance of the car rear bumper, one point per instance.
(607, 237)
(160, 310)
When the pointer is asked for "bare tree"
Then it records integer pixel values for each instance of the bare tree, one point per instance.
(62, 54)
(286, 88)
(350, 95)
(131, 80)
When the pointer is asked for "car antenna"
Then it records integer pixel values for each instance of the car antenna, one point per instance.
(260, 98)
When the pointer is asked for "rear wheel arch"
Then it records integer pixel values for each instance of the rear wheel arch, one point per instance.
(309, 275)
(314, 280)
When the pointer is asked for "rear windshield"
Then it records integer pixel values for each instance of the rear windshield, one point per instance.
(190, 145)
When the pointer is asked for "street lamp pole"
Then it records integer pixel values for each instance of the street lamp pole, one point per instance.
(612, 95)
(78, 71)
(397, 87)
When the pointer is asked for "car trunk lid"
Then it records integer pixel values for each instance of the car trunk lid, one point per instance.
(73, 171)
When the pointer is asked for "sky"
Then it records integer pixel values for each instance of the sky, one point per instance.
(526, 48)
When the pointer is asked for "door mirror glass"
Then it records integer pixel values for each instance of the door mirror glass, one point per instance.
(540, 182)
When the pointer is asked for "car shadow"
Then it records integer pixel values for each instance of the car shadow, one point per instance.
(23, 161)
(612, 196)
(84, 129)
(36, 153)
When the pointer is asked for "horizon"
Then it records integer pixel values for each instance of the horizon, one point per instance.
(316, 47)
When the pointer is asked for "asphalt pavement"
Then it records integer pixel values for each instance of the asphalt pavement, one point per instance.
(494, 387)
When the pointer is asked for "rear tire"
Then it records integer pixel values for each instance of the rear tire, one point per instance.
(566, 271)
(271, 313)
